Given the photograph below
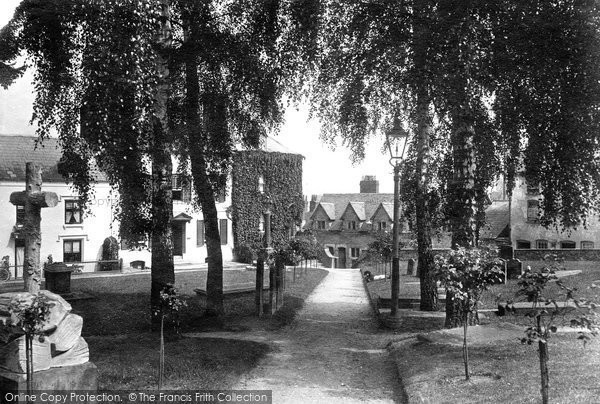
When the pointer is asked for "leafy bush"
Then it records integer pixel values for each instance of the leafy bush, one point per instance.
(245, 254)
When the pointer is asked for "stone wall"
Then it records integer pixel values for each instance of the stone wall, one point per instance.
(406, 254)
(566, 254)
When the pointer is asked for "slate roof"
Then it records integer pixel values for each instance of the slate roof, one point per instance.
(329, 209)
(497, 219)
(370, 202)
(364, 204)
(15, 151)
(387, 207)
(359, 209)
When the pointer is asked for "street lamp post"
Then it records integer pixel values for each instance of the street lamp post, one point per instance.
(396, 140)
(263, 254)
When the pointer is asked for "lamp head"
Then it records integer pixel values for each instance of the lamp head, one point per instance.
(396, 138)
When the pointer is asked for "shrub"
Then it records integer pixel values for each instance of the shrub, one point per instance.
(466, 273)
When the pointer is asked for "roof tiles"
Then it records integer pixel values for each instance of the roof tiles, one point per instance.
(15, 151)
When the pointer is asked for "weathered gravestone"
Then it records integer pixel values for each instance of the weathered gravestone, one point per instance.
(514, 268)
(33, 200)
(60, 359)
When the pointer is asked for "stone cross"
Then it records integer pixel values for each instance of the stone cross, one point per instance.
(33, 200)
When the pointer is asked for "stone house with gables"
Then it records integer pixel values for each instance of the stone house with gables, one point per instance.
(347, 223)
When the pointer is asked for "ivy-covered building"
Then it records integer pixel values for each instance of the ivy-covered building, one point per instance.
(261, 181)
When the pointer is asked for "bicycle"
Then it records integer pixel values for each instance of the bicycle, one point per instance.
(5, 269)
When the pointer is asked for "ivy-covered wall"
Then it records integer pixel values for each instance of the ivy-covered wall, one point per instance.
(282, 175)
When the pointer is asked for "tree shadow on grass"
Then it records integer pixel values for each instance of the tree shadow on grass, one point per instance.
(131, 362)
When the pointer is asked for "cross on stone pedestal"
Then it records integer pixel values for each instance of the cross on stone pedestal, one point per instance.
(33, 200)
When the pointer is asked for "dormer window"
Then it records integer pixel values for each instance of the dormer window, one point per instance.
(261, 184)
(382, 226)
(351, 225)
(321, 225)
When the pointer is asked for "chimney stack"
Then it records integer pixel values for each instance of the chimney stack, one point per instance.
(369, 185)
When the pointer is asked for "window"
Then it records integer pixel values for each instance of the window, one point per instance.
(261, 224)
(73, 212)
(382, 226)
(567, 244)
(523, 244)
(181, 188)
(321, 225)
(352, 225)
(199, 233)
(533, 211)
(223, 231)
(20, 215)
(221, 196)
(72, 250)
(261, 184)
(354, 252)
(176, 187)
(587, 245)
(541, 244)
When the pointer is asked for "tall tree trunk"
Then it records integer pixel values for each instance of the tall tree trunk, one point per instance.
(163, 271)
(429, 298)
(203, 188)
(461, 188)
(463, 209)
(462, 193)
(214, 279)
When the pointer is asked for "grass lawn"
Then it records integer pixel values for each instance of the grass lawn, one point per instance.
(122, 345)
(583, 282)
(506, 372)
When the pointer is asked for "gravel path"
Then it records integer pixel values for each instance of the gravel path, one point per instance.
(333, 353)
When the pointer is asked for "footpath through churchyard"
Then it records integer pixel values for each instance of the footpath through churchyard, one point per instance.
(333, 353)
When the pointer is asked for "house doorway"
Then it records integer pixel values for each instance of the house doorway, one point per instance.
(178, 226)
(342, 257)
(178, 238)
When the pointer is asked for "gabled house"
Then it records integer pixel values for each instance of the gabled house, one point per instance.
(383, 217)
(347, 223)
(353, 217)
(323, 216)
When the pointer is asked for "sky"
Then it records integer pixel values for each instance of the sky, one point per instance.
(324, 170)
